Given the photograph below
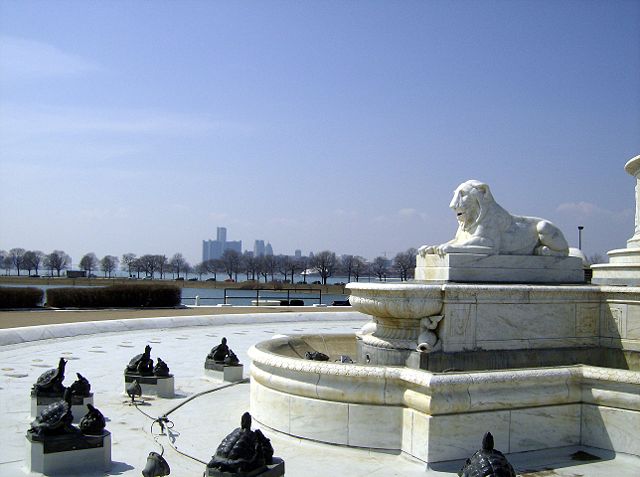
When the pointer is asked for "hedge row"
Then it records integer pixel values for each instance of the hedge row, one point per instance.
(116, 296)
(20, 297)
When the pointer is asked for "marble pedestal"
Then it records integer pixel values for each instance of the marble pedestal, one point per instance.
(477, 268)
(78, 405)
(66, 454)
(161, 386)
(624, 264)
(272, 470)
(223, 372)
(623, 268)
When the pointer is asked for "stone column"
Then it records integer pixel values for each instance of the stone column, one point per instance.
(633, 167)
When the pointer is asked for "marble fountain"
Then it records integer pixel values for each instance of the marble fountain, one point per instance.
(498, 332)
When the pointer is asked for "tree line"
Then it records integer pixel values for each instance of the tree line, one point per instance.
(231, 265)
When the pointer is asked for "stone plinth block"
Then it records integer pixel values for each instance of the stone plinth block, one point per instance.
(161, 386)
(78, 405)
(469, 267)
(65, 454)
(272, 470)
(223, 372)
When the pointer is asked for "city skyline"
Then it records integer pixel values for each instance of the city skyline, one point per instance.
(137, 127)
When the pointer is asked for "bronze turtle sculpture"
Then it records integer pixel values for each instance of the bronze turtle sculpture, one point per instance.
(51, 380)
(56, 418)
(316, 356)
(93, 422)
(231, 359)
(81, 386)
(141, 363)
(219, 352)
(487, 462)
(243, 450)
(161, 368)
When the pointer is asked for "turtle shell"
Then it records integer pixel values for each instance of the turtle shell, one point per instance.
(55, 416)
(93, 421)
(241, 451)
(142, 362)
(487, 462)
(52, 376)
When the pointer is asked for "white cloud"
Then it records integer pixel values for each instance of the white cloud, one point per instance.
(585, 210)
(29, 59)
(411, 213)
(16, 120)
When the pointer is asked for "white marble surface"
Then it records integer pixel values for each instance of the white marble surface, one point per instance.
(102, 357)
(610, 428)
(64, 463)
(463, 267)
(544, 427)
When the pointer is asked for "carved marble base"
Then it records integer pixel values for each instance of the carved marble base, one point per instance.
(161, 386)
(273, 470)
(223, 372)
(465, 268)
(623, 268)
(78, 406)
(62, 455)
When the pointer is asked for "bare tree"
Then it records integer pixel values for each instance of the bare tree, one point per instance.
(283, 263)
(405, 262)
(261, 268)
(231, 263)
(109, 264)
(58, 261)
(325, 262)
(201, 269)
(249, 265)
(32, 260)
(161, 264)
(597, 258)
(346, 265)
(17, 258)
(380, 268)
(148, 265)
(212, 266)
(139, 266)
(303, 264)
(187, 269)
(89, 263)
(177, 263)
(270, 265)
(358, 267)
(128, 260)
(5, 261)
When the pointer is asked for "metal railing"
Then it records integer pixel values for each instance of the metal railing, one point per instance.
(259, 294)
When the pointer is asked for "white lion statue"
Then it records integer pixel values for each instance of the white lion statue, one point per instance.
(486, 228)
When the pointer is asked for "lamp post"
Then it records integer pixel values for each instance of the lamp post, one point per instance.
(580, 227)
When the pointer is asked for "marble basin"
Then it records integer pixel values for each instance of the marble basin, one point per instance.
(389, 302)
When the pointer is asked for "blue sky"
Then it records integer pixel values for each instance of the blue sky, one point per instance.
(142, 126)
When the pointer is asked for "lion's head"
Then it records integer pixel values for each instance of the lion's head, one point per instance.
(469, 202)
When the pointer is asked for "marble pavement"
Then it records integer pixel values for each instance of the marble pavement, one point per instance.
(201, 423)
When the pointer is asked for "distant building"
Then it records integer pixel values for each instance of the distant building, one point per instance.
(258, 248)
(298, 253)
(213, 249)
(268, 250)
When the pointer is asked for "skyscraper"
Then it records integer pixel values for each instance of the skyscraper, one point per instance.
(258, 248)
(213, 249)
